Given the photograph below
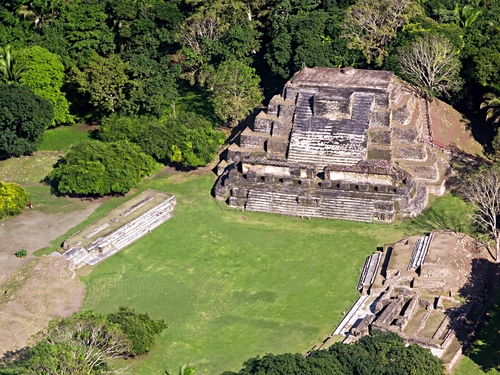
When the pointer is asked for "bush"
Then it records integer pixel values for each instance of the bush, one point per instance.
(13, 199)
(23, 118)
(187, 139)
(97, 168)
(21, 253)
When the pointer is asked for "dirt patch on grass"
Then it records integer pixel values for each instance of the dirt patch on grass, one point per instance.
(33, 230)
(40, 291)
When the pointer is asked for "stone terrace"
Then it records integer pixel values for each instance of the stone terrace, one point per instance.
(119, 228)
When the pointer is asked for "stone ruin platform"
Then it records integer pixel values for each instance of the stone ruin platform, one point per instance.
(430, 290)
(336, 143)
(119, 228)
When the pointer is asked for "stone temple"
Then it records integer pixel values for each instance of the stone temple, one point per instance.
(336, 143)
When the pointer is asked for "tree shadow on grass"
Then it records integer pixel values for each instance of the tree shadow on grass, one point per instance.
(13, 361)
(479, 333)
(435, 219)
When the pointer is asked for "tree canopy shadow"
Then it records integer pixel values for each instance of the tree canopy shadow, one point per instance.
(13, 360)
(434, 219)
(480, 328)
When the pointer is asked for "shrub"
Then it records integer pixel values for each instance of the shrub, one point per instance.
(187, 139)
(97, 168)
(21, 253)
(23, 118)
(139, 328)
(122, 128)
(13, 199)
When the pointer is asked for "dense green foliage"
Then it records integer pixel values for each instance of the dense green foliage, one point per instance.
(140, 329)
(13, 199)
(96, 168)
(235, 91)
(379, 354)
(23, 118)
(88, 343)
(43, 73)
(187, 139)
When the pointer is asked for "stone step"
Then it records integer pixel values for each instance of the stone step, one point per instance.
(369, 270)
(329, 207)
(100, 257)
(129, 230)
(149, 226)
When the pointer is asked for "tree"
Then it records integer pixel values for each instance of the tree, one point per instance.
(44, 74)
(187, 139)
(139, 328)
(13, 199)
(153, 88)
(380, 353)
(432, 65)
(97, 168)
(235, 91)
(104, 81)
(23, 118)
(88, 340)
(492, 103)
(483, 190)
(370, 26)
(468, 15)
(88, 343)
(56, 359)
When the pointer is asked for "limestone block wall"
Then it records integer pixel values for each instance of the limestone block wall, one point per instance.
(249, 139)
(260, 169)
(333, 106)
(281, 128)
(286, 111)
(263, 123)
(417, 152)
(380, 118)
(360, 178)
(380, 136)
(277, 146)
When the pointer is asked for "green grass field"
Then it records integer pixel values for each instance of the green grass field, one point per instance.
(233, 285)
(63, 137)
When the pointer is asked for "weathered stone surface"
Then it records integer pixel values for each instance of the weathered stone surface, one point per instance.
(263, 123)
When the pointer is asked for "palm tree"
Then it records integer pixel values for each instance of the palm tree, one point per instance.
(468, 16)
(10, 67)
(492, 103)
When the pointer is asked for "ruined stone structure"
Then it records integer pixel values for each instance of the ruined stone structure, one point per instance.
(116, 233)
(430, 290)
(336, 143)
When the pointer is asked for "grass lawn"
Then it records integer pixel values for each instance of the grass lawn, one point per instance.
(233, 285)
(63, 137)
